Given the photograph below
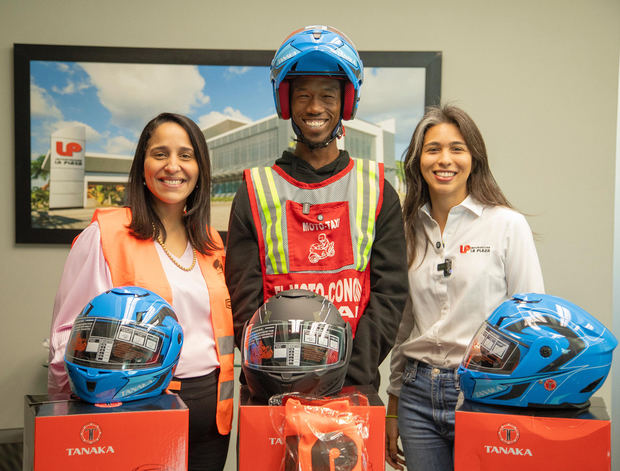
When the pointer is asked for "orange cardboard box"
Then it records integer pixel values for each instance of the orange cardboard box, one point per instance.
(261, 448)
(514, 439)
(150, 434)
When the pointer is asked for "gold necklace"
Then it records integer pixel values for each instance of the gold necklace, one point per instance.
(171, 257)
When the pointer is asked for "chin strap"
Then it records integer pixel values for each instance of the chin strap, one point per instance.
(337, 133)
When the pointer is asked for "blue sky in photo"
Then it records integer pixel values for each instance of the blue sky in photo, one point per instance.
(114, 101)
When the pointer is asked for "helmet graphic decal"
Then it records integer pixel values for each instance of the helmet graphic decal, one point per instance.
(550, 384)
(576, 344)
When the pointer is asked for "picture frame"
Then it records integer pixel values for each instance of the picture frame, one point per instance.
(34, 224)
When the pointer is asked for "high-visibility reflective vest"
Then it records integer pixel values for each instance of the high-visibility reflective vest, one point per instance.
(318, 236)
(135, 262)
(325, 437)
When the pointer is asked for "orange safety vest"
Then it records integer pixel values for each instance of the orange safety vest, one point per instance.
(318, 236)
(135, 262)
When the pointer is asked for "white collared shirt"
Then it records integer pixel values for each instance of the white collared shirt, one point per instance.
(492, 255)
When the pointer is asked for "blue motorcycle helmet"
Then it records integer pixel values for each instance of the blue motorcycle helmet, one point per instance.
(124, 346)
(537, 350)
(317, 51)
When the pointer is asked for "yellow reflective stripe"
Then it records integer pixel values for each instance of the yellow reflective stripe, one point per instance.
(372, 209)
(263, 203)
(278, 208)
(360, 210)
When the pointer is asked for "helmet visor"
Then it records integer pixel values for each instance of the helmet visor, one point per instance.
(294, 344)
(491, 351)
(110, 344)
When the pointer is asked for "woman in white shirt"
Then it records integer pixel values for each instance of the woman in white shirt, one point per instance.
(468, 251)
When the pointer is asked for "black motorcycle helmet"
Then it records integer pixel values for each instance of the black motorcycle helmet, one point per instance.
(296, 342)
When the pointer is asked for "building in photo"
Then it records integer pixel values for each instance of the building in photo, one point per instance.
(260, 143)
(75, 172)
(234, 145)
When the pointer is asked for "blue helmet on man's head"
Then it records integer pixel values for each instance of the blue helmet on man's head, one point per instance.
(537, 350)
(124, 345)
(317, 51)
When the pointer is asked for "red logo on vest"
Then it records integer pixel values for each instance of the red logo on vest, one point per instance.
(70, 148)
(319, 237)
(322, 249)
(465, 248)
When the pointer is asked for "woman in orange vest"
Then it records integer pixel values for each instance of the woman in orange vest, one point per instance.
(162, 241)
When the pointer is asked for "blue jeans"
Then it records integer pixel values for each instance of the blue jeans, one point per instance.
(426, 416)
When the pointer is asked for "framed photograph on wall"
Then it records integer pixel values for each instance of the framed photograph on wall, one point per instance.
(79, 111)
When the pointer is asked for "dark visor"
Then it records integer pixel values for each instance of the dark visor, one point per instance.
(491, 351)
(296, 344)
(99, 342)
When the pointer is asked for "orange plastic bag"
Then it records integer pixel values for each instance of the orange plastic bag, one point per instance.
(323, 434)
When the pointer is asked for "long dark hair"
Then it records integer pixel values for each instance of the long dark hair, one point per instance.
(480, 184)
(197, 216)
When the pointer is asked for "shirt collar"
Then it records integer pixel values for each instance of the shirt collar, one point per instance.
(473, 205)
(469, 203)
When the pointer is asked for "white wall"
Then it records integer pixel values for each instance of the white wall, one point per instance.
(540, 79)
(615, 419)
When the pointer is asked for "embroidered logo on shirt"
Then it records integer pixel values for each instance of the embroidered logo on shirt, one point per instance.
(475, 249)
(321, 249)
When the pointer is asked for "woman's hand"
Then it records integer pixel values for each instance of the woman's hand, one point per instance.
(393, 454)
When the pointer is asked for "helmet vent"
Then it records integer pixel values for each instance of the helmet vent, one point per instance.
(516, 391)
(592, 386)
(87, 310)
(90, 385)
(157, 384)
(161, 316)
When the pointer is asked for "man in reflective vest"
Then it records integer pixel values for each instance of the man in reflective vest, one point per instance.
(318, 219)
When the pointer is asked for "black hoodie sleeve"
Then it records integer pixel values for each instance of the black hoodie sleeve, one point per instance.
(244, 276)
